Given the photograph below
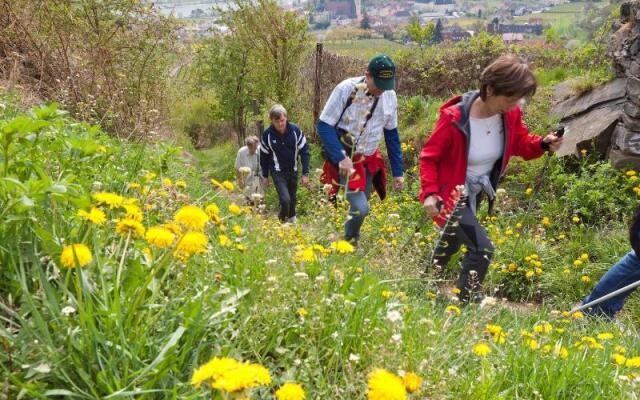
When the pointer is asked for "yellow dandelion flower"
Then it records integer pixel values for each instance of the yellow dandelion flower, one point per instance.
(583, 152)
(290, 391)
(167, 182)
(191, 217)
(133, 212)
(191, 243)
(451, 309)
(237, 229)
(342, 247)
(387, 294)
(135, 186)
(224, 240)
(633, 362)
(174, 228)
(227, 185)
(455, 291)
(481, 349)
(577, 315)
(584, 257)
(575, 219)
(305, 255)
(619, 359)
(533, 344)
(620, 349)
(493, 329)
(543, 328)
(631, 173)
(213, 369)
(95, 216)
(111, 200)
(235, 209)
(546, 221)
(529, 191)
(75, 255)
(561, 352)
(585, 279)
(412, 382)
(180, 184)
(302, 312)
(384, 385)
(126, 226)
(160, 237)
(245, 376)
(150, 176)
(529, 274)
(577, 263)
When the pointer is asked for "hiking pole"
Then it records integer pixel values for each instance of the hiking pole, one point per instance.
(605, 297)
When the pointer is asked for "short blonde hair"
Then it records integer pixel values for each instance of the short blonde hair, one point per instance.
(277, 111)
(251, 140)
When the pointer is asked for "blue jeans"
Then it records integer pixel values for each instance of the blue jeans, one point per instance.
(625, 272)
(358, 209)
(286, 184)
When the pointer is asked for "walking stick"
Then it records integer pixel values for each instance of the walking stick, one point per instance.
(605, 297)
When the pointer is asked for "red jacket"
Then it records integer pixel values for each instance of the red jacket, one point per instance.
(374, 164)
(443, 159)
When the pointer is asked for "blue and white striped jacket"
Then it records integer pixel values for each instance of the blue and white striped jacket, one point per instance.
(279, 152)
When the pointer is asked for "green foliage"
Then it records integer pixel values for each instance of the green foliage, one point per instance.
(422, 35)
(259, 60)
(107, 61)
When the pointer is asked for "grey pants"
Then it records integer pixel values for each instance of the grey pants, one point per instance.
(475, 262)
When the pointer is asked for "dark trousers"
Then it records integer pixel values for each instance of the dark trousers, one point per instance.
(475, 262)
(286, 184)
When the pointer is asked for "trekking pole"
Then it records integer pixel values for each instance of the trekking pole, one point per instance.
(605, 297)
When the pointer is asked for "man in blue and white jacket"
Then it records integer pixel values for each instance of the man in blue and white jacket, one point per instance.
(280, 146)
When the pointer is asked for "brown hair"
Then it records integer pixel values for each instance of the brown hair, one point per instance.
(508, 76)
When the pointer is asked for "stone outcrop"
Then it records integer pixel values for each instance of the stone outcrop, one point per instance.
(607, 119)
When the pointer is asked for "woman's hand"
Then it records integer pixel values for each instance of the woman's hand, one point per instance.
(553, 141)
(432, 205)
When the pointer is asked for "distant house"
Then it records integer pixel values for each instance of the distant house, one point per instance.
(536, 21)
(512, 37)
(498, 28)
(455, 34)
(340, 8)
(440, 2)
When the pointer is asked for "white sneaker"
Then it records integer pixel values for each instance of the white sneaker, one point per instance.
(292, 220)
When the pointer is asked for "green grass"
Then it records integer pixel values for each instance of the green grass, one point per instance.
(280, 296)
(362, 48)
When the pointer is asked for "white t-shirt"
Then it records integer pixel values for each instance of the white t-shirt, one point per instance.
(385, 116)
(486, 144)
(244, 159)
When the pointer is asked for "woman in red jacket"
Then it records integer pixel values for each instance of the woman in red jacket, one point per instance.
(473, 140)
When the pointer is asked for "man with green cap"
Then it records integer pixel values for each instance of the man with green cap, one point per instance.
(359, 112)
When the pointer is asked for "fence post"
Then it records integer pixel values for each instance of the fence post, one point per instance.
(316, 93)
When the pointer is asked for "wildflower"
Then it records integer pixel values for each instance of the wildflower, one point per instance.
(342, 247)
(245, 376)
(533, 344)
(585, 279)
(575, 219)
(167, 182)
(180, 184)
(160, 237)
(633, 362)
(224, 240)
(577, 315)
(191, 217)
(584, 257)
(481, 349)
(191, 243)
(217, 184)
(175, 229)
(530, 274)
(387, 294)
(75, 255)
(212, 210)
(384, 385)
(290, 391)
(227, 185)
(134, 186)
(546, 221)
(237, 229)
(129, 226)
(561, 352)
(455, 291)
(631, 173)
(543, 328)
(133, 212)
(493, 329)
(95, 216)
(451, 309)
(620, 349)
(619, 359)
(529, 191)
(305, 255)
(235, 209)
(412, 382)
(109, 199)
(577, 263)
(150, 176)
(302, 312)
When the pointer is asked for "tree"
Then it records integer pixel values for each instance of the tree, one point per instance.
(437, 32)
(365, 23)
(259, 59)
(422, 35)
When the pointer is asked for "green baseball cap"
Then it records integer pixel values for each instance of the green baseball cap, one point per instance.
(383, 70)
